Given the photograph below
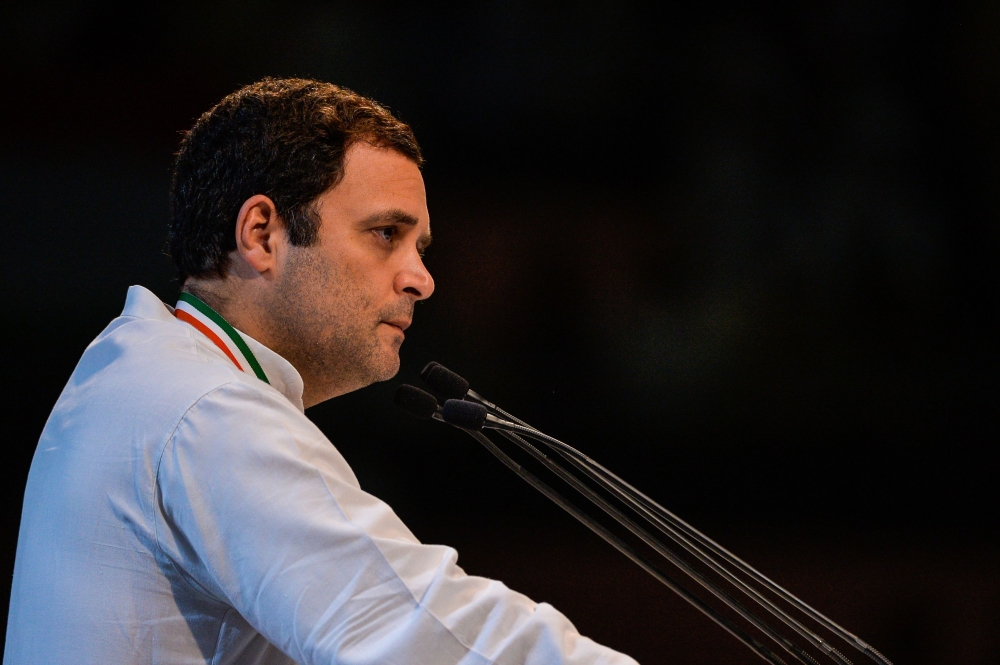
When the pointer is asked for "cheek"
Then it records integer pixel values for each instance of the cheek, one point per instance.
(353, 288)
(376, 285)
(349, 304)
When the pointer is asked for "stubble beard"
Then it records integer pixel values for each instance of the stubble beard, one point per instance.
(322, 322)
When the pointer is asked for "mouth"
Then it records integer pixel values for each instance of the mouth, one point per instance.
(401, 324)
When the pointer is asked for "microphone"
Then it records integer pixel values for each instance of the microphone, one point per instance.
(450, 385)
(443, 381)
(473, 416)
(467, 415)
(416, 402)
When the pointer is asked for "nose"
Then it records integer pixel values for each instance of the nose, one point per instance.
(415, 280)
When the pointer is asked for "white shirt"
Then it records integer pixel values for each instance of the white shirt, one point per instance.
(180, 510)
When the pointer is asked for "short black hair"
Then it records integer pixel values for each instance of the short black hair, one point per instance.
(284, 138)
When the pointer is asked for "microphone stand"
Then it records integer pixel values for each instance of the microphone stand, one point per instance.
(663, 519)
(761, 649)
(471, 413)
(631, 525)
(673, 526)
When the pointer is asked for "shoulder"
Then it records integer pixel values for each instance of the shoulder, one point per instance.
(152, 359)
(141, 376)
(249, 416)
(237, 434)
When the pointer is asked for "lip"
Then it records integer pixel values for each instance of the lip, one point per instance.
(402, 324)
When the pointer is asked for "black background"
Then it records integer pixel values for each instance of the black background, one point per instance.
(739, 253)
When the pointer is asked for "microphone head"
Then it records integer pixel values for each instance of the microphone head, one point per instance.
(415, 401)
(443, 381)
(467, 415)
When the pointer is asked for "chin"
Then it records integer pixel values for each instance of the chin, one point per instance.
(387, 368)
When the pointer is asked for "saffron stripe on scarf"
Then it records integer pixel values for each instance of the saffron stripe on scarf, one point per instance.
(216, 318)
(207, 332)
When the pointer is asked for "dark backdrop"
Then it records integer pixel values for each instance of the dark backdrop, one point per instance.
(740, 254)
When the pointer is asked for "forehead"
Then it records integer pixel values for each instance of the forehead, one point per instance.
(377, 179)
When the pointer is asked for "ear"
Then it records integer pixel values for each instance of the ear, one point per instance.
(260, 234)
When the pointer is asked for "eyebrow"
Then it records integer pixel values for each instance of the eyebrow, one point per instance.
(397, 216)
(392, 216)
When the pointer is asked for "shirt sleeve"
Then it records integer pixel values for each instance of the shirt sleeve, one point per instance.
(260, 510)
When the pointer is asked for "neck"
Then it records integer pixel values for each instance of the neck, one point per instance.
(237, 310)
(248, 310)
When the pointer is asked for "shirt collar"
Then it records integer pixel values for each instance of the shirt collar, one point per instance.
(142, 303)
(280, 373)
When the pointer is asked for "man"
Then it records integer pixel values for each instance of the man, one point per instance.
(180, 507)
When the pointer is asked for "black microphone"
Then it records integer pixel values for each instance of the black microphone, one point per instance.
(443, 381)
(416, 402)
(449, 385)
(467, 415)
(474, 416)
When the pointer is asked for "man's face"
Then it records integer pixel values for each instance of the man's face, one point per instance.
(348, 298)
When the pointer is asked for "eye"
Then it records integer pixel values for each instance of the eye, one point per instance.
(387, 233)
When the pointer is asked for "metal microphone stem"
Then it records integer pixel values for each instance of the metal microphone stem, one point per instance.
(646, 505)
(793, 649)
(761, 649)
(472, 419)
(816, 640)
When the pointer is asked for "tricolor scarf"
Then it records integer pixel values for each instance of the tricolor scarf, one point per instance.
(195, 311)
